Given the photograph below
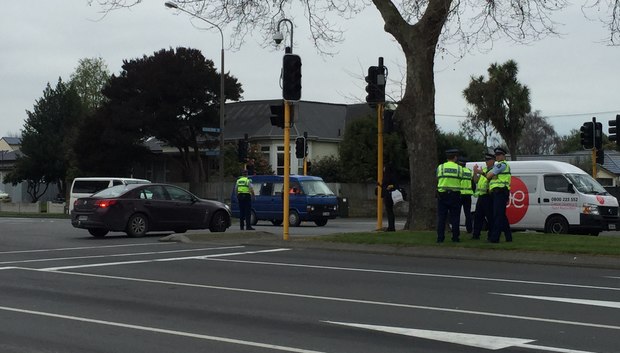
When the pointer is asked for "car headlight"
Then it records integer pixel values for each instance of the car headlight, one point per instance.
(589, 208)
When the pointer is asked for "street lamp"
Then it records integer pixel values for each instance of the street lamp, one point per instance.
(172, 5)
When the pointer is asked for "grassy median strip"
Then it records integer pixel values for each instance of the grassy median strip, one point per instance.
(522, 241)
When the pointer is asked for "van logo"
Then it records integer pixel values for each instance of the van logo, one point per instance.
(519, 201)
(600, 199)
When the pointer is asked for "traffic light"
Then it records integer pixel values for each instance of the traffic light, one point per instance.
(291, 77)
(587, 135)
(242, 150)
(613, 126)
(598, 136)
(600, 157)
(300, 147)
(375, 84)
(277, 115)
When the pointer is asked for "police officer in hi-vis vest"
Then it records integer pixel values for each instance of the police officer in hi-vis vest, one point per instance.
(484, 205)
(245, 192)
(466, 192)
(449, 176)
(499, 186)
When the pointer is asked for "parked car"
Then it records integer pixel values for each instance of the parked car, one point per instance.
(4, 197)
(140, 208)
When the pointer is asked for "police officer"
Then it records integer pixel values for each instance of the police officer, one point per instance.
(245, 192)
(484, 205)
(449, 176)
(499, 186)
(466, 192)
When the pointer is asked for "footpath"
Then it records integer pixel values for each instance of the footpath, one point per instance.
(267, 239)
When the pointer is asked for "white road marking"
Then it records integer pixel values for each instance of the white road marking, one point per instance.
(336, 299)
(115, 255)
(466, 339)
(80, 248)
(160, 330)
(419, 274)
(604, 303)
(198, 257)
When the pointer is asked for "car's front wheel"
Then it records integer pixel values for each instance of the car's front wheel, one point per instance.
(219, 222)
(98, 232)
(138, 225)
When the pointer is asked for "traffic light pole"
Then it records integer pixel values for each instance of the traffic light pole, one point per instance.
(594, 163)
(287, 168)
(379, 166)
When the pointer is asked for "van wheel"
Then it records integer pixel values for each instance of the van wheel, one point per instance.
(321, 222)
(556, 225)
(293, 218)
(253, 218)
(98, 232)
(276, 222)
(137, 226)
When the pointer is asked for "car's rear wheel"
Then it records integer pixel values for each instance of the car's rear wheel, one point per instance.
(253, 218)
(98, 232)
(219, 222)
(138, 225)
(293, 218)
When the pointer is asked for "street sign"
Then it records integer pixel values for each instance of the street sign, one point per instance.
(210, 129)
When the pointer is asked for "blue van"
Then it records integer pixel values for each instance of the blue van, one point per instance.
(310, 199)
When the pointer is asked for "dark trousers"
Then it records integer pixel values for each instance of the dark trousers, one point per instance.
(484, 211)
(466, 205)
(500, 221)
(245, 210)
(448, 203)
(389, 211)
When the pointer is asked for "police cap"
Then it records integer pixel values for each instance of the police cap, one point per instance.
(499, 150)
(489, 156)
(452, 151)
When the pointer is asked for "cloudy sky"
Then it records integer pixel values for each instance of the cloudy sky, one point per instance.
(571, 79)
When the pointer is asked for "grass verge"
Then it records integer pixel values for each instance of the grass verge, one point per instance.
(34, 215)
(522, 241)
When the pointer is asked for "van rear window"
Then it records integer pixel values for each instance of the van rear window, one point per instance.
(89, 186)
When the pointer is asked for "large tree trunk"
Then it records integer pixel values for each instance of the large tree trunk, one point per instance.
(417, 107)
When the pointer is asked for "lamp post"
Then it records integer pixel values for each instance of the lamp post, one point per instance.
(278, 37)
(172, 5)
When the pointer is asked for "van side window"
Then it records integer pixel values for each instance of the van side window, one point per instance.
(266, 189)
(89, 186)
(556, 183)
(116, 182)
(277, 188)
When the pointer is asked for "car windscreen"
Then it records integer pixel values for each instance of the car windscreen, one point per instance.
(114, 191)
(586, 184)
(316, 188)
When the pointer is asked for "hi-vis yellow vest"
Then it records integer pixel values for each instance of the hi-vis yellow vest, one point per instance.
(502, 180)
(243, 185)
(466, 182)
(449, 176)
(482, 187)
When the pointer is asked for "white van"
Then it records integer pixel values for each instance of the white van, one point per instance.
(84, 187)
(557, 197)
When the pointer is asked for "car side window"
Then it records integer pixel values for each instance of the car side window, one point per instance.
(153, 193)
(178, 194)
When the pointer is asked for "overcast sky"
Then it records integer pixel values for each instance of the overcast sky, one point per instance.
(571, 79)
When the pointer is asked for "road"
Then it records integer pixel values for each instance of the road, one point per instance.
(64, 291)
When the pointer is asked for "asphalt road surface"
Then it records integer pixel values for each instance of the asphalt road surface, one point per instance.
(64, 291)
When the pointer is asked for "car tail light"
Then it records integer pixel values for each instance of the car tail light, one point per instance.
(104, 203)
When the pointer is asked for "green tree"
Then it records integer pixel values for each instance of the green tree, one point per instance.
(503, 101)
(45, 154)
(419, 27)
(173, 94)
(88, 79)
(569, 143)
(329, 168)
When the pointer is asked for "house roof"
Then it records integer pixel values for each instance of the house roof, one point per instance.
(322, 121)
(12, 140)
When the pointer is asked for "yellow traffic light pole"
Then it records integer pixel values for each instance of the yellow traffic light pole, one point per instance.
(287, 167)
(379, 166)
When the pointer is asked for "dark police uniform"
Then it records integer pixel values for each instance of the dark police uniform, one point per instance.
(449, 176)
(244, 196)
(499, 186)
(484, 205)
